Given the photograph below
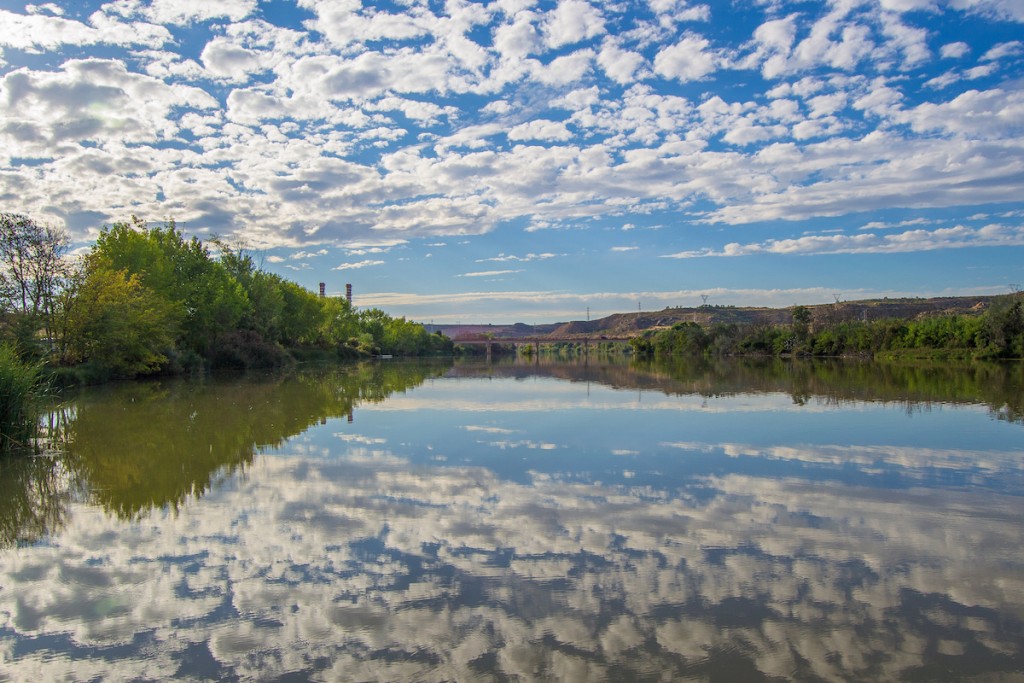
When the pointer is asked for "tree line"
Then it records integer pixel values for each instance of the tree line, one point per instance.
(996, 333)
(147, 300)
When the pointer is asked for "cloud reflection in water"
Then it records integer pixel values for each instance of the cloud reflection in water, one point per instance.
(356, 559)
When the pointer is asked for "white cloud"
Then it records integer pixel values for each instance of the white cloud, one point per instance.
(489, 273)
(570, 22)
(957, 237)
(999, 9)
(372, 246)
(225, 59)
(747, 134)
(1014, 48)
(775, 39)
(777, 34)
(835, 41)
(564, 70)
(358, 264)
(981, 114)
(502, 258)
(687, 60)
(825, 105)
(519, 38)
(620, 65)
(671, 12)
(49, 7)
(91, 99)
(910, 41)
(880, 100)
(299, 255)
(182, 12)
(620, 249)
(423, 113)
(39, 31)
(368, 250)
(880, 225)
(954, 50)
(540, 129)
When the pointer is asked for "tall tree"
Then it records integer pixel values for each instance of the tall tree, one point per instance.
(111, 320)
(210, 300)
(32, 270)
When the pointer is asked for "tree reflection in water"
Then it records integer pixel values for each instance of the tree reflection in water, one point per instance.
(35, 492)
(137, 446)
(384, 553)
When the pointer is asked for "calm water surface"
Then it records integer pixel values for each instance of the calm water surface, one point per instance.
(525, 521)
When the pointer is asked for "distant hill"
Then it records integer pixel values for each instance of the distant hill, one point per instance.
(631, 324)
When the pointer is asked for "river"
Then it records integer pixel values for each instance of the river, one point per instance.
(528, 519)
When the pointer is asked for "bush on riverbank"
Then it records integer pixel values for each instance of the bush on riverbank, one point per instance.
(998, 333)
(20, 386)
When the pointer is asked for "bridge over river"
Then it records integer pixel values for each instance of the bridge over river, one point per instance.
(537, 341)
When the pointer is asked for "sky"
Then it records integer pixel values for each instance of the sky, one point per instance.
(537, 161)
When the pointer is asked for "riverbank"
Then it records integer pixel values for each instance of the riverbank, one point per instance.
(993, 332)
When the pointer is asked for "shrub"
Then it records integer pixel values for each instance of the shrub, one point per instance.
(247, 350)
(20, 386)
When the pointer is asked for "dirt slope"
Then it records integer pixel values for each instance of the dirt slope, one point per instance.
(630, 324)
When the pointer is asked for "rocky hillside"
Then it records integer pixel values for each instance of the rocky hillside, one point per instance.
(631, 324)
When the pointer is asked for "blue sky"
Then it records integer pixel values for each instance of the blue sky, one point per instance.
(520, 160)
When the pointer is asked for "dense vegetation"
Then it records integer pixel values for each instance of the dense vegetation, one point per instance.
(148, 300)
(20, 389)
(996, 333)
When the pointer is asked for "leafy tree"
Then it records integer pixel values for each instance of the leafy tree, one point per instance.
(1004, 327)
(339, 322)
(801, 315)
(109, 318)
(373, 321)
(264, 314)
(210, 301)
(642, 346)
(32, 271)
(801, 323)
(301, 316)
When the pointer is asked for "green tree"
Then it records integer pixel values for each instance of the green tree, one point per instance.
(642, 346)
(181, 271)
(1004, 327)
(32, 271)
(301, 316)
(264, 291)
(801, 322)
(339, 322)
(110, 319)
